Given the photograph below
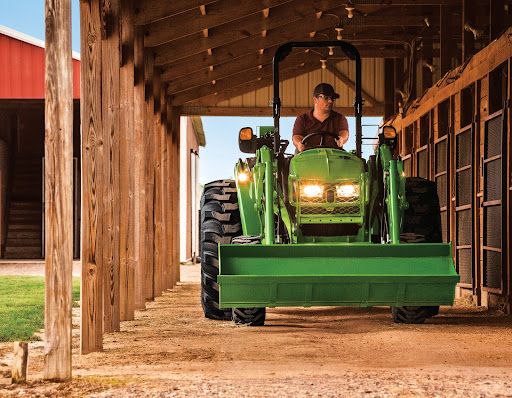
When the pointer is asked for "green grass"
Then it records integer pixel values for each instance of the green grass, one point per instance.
(22, 306)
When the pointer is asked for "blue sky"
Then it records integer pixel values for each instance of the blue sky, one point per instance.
(218, 158)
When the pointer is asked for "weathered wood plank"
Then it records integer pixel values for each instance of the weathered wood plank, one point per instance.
(91, 324)
(139, 175)
(150, 175)
(127, 183)
(110, 189)
(58, 162)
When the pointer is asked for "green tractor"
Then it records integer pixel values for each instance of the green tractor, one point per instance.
(322, 228)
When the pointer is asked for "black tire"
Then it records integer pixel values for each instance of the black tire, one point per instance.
(248, 316)
(413, 315)
(422, 223)
(219, 223)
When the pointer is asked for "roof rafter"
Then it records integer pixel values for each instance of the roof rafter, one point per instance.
(192, 21)
(147, 11)
(187, 46)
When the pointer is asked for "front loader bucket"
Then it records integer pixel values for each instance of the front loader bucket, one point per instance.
(336, 275)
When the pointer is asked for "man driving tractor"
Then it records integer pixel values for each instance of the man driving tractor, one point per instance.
(322, 118)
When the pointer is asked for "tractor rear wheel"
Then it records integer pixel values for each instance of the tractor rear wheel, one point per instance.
(248, 316)
(422, 223)
(219, 223)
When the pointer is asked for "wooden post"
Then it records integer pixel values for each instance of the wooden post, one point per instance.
(139, 175)
(175, 117)
(91, 323)
(165, 191)
(110, 189)
(157, 209)
(127, 183)
(170, 192)
(150, 175)
(19, 362)
(58, 190)
(398, 68)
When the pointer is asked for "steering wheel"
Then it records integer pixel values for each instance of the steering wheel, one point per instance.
(322, 135)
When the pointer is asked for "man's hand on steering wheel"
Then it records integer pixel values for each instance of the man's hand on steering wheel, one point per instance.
(322, 134)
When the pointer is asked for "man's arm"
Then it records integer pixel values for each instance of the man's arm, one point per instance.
(298, 128)
(297, 141)
(342, 138)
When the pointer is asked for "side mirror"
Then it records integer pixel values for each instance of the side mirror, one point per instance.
(247, 140)
(389, 136)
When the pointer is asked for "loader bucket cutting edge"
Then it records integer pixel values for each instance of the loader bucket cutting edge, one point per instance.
(336, 275)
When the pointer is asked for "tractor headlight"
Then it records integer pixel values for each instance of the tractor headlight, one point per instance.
(346, 191)
(312, 191)
(243, 177)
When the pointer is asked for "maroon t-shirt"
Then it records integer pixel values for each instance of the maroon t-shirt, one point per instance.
(306, 124)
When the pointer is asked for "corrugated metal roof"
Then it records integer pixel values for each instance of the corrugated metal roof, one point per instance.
(22, 71)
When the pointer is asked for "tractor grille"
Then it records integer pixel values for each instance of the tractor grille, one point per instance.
(330, 204)
(352, 210)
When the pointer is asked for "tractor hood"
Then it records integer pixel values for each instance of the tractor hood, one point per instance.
(326, 164)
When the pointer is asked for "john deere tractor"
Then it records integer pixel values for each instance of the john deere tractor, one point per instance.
(322, 228)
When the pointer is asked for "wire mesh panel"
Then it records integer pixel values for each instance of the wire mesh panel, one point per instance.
(407, 166)
(493, 193)
(464, 204)
(422, 157)
(441, 179)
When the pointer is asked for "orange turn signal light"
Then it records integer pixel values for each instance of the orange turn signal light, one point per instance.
(245, 134)
(389, 132)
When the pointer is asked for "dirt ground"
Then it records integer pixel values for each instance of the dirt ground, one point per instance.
(171, 350)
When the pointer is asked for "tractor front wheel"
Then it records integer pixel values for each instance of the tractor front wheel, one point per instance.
(422, 223)
(219, 223)
(248, 316)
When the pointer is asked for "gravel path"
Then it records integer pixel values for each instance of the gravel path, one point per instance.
(171, 350)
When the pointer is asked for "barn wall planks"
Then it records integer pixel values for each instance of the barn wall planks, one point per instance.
(463, 123)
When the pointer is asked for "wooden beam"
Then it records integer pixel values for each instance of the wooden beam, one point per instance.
(91, 296)
(110, 59)
(192, 21)
(127, 184)
(147, 11)
(139, 175)
(251, 25)
(246, 46)
(267, 111)
(350, 83)
(150, 174)
(58, 162)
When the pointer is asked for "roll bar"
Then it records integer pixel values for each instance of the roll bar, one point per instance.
(284, 50)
